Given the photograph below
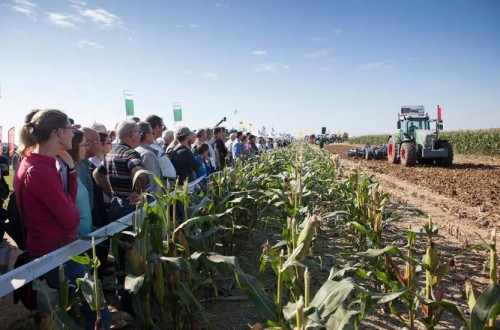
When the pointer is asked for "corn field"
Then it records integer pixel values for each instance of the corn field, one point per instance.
(299, 190)
(466, 142)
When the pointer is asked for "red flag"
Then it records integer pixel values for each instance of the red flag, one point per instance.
(11, 142)
(1, 143)
(439, 114)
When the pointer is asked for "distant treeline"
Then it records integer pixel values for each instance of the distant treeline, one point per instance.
(484, 142)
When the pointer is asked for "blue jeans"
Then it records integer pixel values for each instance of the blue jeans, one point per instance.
(72, 271)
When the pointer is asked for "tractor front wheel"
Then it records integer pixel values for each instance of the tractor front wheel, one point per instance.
(409, 153)
(448, 160)
(391, 151)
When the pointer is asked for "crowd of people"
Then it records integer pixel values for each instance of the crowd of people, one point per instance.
(76, 179)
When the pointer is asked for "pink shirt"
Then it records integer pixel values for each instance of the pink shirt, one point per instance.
(50, 216)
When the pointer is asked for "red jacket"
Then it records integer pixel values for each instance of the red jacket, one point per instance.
(50, 216)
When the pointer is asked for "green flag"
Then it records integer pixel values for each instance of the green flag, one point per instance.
(177, 112)
(129, 103)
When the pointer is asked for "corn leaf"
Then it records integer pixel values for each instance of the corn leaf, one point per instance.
(331, 295)
(88, 286)
(343, 319)
(487, 306)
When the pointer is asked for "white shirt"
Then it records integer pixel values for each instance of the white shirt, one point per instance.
(229, 145)
(212, 155)
(167, 168)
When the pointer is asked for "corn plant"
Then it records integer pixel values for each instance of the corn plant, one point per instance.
(430, 297)
(485, 307)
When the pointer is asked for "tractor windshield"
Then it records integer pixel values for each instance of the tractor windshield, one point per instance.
(417, 124)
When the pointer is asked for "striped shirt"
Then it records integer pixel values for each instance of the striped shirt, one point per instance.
(118, 165)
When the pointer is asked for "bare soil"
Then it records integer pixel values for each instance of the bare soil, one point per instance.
(462, 199)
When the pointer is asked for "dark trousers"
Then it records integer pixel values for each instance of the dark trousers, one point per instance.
(117, 209)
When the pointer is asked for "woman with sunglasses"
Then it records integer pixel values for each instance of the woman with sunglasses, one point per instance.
(77, 153)
(52, 218)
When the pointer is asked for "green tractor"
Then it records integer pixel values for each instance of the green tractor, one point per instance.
(415, 142)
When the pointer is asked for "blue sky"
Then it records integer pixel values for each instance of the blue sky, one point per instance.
(291, 65)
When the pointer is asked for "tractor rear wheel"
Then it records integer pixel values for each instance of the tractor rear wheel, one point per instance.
(409, 153)
(448, 160)
(391, 151)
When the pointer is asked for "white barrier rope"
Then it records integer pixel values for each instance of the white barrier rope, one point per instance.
(18, 277)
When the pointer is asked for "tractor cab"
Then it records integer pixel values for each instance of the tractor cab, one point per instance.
(412, 118)
(409, 125)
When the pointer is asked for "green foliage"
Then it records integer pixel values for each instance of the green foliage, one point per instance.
(484, 142)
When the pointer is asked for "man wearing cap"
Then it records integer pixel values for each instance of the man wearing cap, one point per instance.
(181, 156)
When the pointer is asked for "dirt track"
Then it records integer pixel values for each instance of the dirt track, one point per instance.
(468, 190)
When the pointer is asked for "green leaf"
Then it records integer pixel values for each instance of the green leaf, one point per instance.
(358, 226)
(343, 319)
(372, 253)
(192, 303)
(82, 260)
(198, 220)
(292, 257)
(88, 287)
(47, 298)
(487, 305)
(251, 287)
(247, 283)
(277, 247)
(388, 297)
(447, 305)
(331, 295)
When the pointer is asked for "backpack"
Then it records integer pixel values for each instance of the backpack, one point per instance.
(15, 226)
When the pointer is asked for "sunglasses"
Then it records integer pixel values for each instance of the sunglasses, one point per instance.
(74, 129)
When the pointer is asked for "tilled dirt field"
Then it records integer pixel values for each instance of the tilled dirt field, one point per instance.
(470, 188)
(462, 199)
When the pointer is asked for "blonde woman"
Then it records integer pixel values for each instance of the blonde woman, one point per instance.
(52, 218)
